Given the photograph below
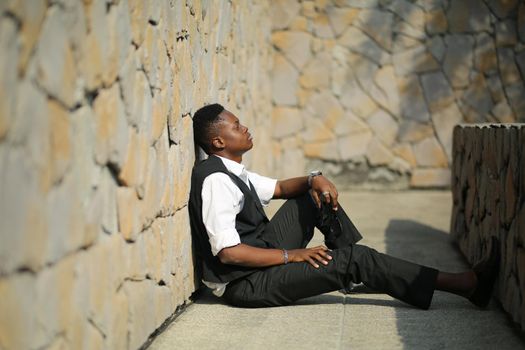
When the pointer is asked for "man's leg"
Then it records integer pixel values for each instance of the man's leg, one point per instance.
(293, 225)
(284, 284)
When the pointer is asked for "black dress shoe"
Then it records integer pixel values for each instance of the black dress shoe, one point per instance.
(486, 273)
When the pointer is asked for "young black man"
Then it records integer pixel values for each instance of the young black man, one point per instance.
(252, 261)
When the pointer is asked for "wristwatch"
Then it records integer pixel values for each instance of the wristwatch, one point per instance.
(311, 176)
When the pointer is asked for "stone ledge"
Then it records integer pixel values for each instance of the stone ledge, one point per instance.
(488, 184)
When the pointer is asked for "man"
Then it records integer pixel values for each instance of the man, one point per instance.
(255, 262)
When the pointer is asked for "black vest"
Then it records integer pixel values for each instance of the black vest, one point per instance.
(250, 223)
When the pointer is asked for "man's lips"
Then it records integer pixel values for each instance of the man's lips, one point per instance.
(250, 137)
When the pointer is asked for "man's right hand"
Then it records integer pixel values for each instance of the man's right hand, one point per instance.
(313, 255)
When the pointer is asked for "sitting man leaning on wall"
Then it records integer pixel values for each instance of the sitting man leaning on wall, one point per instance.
(252, 261)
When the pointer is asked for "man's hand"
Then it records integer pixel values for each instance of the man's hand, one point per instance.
(311, 255)
(323, 189)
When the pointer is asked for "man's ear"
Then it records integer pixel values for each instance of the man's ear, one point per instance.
(217, 143)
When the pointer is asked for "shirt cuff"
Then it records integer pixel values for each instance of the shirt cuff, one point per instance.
(224, 239)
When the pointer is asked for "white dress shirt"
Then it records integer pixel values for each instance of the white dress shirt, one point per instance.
(222, 200)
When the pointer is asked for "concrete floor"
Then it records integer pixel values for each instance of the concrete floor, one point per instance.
(411, 225)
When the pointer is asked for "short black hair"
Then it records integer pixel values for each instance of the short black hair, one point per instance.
(204, 121)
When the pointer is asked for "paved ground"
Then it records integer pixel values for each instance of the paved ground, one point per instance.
(410, 225)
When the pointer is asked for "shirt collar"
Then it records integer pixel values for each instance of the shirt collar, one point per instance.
(235, 168)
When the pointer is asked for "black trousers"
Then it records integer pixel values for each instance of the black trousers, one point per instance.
(292, 227)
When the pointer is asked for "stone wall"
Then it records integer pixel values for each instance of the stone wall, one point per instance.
(488, 185)
(370, 90)
(96, 150)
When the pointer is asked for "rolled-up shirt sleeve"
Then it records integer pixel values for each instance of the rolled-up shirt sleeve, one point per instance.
(264, 186)
(221, 202)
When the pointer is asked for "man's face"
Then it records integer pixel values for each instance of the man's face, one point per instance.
(235, 136)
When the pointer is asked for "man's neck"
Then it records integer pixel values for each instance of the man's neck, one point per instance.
(237, 159)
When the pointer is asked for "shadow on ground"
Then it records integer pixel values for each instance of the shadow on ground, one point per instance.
(452, 322)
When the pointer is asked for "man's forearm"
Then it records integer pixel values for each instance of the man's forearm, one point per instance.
(246, 255)
(292, 187)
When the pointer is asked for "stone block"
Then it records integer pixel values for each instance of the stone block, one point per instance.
(350, 124)
(31, 16)
(327, 150)
(377, 154)
(8, 74)
(362, 69)
(295, 46)
(458, 59)
(503, 113)
(485, 59)
(159, 116)
(316, 73)
(110, 127)
(437, 48)
(429, 153)
(129, 219)
(356, 41)
(516, 98)
(384, 126)
(61, 140)
(385, 90)
(378, 25)
(496, 88)
(520, 60)
(141, 296)
(326, 108)
(56, 71)
(66, 219)
(405, 152)
(316, 130)
(341, 18)
(354, 145)
(132, 171)
(508, 70)
(283, 12)
(521, 22)
(356, 100)
(95, 53)
(120, 36)
(16, 311)
(284, 81)
(410, 13)
(299, 24)
(444, 122)
(436, 21)
(321, 26)
(295, 158)
(286, 121)
(55, 304)
(477, 95)
(414, 60)
(31, 127)
(468, 16)
(138, 20)
(506, 33)
(430, 178)
(401, 42)
(154, 182)
(437, 91)
(413, 106)
(503, 8)
(404, 28)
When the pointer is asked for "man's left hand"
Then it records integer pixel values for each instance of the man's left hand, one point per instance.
(323, 189)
